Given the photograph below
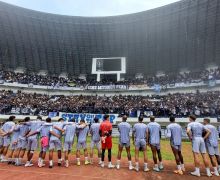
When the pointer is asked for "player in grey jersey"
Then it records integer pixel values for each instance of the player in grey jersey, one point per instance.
(139, 137)
(154, 134)
(195, 132)
(7, 128)
(14, 144)
(124, 129)
(32, 141)
(212, 146)
(174, 132)
(69, 134)
(82, 133)
(95, 140)
(55, 141)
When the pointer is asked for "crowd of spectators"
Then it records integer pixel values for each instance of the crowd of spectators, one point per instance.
(180, 105)
(163, 80)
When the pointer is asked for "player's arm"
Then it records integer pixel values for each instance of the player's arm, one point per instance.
(64, 130)
(100, 132)
(188, 132)
(81, 126)
(10, 131)
(90, 131)
(147, 136)
(168, 132)
(34, 132)
(160, 133)
(133, 131)
(27, 133)
(59, 129)
(54, 134)
(207, 133)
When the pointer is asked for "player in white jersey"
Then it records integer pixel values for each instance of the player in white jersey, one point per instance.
(174, 132)
(95, 140)
(154, 135)
(124, 129)
(195, 131)
(212, 146)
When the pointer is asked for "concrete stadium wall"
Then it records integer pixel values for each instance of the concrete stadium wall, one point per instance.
(192, 89)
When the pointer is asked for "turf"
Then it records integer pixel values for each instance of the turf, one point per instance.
(165, 150)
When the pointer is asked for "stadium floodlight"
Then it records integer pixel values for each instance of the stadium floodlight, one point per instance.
(111, 65)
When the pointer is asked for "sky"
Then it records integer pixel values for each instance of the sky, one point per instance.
(90, 7)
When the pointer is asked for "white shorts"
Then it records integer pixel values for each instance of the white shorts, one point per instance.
(177, 147)
(68, 146)
(32, 144)
(140, 143)
(6, 141)
(22, 144)
(96, 144)
(124, 144)
(198, 145)
(212, 150)
(81, 145)
(156, 145)
(55, 144)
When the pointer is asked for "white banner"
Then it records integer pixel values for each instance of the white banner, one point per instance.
(87, 116)
(107, 87)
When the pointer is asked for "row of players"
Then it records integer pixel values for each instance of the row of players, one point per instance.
(24, 136)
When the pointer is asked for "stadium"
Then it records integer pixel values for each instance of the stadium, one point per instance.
(161, 63)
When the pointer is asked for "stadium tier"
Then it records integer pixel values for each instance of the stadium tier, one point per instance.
(185, 34)
(179, 105)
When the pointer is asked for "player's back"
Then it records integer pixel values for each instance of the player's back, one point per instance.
(45, 129)
(105, 126)
(34, 125)
(124, 130)
(8, 126)
(94, 130)
(70, 130)
(24, 128)
(176, 133)
(140, 130)
(154, 132)
(58, 132)
(83, 132)
(15, 134)
(213, 137)
(196, 129)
